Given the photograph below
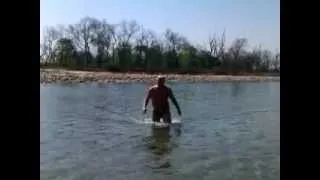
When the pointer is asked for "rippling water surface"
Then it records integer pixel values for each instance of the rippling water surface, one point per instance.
(97, 131)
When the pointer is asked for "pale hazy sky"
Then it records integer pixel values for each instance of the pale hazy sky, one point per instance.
(256, 20)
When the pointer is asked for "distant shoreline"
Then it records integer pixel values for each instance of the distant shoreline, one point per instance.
(48, 76)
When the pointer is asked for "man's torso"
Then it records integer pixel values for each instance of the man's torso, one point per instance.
(159, 97)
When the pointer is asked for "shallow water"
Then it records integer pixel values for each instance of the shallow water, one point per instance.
(97, 131)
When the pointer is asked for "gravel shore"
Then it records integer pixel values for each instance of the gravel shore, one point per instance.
(71, 77)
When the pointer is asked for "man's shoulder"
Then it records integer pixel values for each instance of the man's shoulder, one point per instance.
(152, 87)
(168, 88)
(156, 87)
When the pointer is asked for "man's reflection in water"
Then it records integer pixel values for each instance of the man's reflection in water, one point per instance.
(237, 89)
(161, 146)
(160, 138)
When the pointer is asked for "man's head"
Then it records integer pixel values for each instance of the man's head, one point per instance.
(161, 80)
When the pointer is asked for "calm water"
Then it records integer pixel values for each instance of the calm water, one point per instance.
(97, 131)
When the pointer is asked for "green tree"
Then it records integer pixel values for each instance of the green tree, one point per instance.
(64, 52)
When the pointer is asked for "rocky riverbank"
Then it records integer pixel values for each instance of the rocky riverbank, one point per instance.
(67, 76)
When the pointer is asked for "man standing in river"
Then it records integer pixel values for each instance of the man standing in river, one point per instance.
(159, 95)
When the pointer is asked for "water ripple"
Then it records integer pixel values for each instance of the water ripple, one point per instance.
(227, 131)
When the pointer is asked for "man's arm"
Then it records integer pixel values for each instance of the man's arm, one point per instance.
(174, 101)
(146, 101)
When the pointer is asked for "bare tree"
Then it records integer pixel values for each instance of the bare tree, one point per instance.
(175, 43)
(109, 33)
(42, 54)
(173, 40)
(101, 38)
(110, 37)
(276, 61)
(213, 45)
(144, 40)
(127, 30)
(266, 60)
(145, 37)
(81, 33)
(238, 47)
(221, 46)
(50, 35)
(62, 31)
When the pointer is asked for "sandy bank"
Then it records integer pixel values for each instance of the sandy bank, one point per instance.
(67, 76)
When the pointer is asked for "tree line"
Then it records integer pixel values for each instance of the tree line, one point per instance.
(127, 46)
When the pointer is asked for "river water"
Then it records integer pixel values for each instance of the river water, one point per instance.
(97, 131)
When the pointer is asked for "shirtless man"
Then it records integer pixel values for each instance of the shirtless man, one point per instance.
(159, 95)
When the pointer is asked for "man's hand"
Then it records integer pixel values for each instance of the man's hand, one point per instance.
(144, 110)
(179, 112)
